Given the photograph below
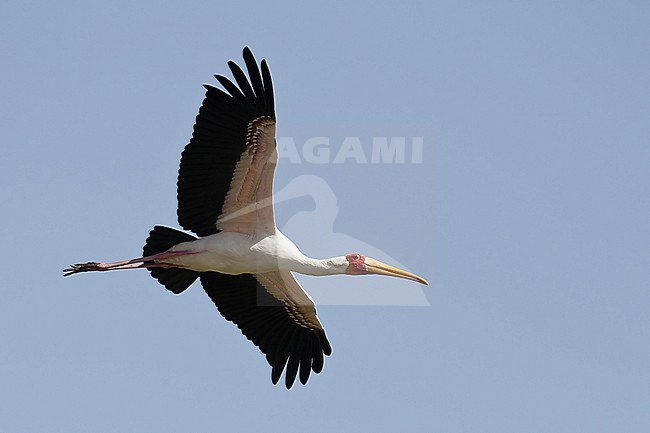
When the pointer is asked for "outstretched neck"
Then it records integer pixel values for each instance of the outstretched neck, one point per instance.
(308, 266)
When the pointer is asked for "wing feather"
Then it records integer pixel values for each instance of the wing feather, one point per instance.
(268, 85)
(241, 80)
(256, 79)
(230, 87)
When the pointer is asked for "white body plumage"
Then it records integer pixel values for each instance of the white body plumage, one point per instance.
(238, 253)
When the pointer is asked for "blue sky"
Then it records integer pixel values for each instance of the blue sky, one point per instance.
(528, 214)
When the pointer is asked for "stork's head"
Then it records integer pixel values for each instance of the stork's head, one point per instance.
(358, 264)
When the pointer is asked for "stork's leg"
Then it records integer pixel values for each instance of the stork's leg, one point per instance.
(141, 262)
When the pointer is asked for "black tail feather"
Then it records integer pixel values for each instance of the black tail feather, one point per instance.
(160, 240)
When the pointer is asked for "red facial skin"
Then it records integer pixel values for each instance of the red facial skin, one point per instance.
(357, 264)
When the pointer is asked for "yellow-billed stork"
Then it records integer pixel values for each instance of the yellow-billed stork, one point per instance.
(245, 264)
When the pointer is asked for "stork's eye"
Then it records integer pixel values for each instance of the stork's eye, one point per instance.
(355, 257)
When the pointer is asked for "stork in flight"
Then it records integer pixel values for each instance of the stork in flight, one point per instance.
(225, 188)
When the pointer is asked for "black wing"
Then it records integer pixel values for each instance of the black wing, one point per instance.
(289, 335)
(218, 141)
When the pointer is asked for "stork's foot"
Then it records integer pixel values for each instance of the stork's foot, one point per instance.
(83, 267)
